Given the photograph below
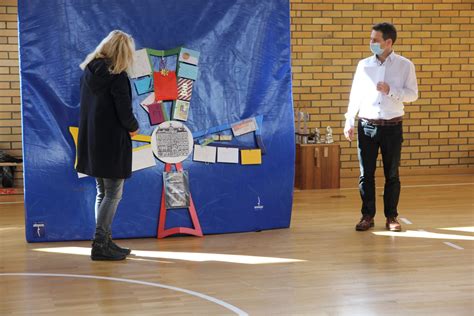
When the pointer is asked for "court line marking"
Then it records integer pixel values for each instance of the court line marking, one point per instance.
(450, 244)
(405, 220)
(421, 185)
(16, 202)
(436, 185)
(226, 305)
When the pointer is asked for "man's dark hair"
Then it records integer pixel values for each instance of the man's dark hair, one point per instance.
(388, 31)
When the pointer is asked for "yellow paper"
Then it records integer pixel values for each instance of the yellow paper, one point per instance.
(74, 132)
(142, 138)
(251, 156)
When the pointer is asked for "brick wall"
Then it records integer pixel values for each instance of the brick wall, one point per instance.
(10, 116)
(329, 37)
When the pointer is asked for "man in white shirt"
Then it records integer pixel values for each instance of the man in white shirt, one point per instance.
(381, 84)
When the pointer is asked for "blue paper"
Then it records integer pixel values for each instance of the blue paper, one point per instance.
(187, 71)
(143, 85)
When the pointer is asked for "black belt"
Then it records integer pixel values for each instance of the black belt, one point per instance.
(392, 122)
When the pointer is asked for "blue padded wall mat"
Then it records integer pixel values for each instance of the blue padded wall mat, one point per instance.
(244, 71)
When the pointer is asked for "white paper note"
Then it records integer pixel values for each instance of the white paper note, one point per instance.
(141, 64)
(227, 155)
(142, 158)
(204, 153)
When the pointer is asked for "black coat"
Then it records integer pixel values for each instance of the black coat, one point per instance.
(104, 147)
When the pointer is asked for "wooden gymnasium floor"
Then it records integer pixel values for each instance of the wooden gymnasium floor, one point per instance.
(426, 270)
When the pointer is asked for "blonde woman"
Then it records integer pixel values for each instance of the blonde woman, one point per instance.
(105, 129)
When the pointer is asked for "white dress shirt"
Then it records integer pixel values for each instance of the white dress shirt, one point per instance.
(398, 72)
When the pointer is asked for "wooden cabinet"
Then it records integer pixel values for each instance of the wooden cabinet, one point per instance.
(317, 166)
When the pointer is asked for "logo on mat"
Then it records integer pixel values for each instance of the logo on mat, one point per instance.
(38, 230)
(259, 206)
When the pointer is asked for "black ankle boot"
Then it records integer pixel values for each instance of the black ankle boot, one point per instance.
(102, 250)
(116, 247)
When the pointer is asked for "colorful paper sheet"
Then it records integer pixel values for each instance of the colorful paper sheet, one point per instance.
(143, 85)
(181, 110)
(251, 156)
(155, 110)
(187, 71)
(243, 127)
(185, 89)
(189, 56)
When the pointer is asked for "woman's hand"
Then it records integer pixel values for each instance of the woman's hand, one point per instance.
(133, 133)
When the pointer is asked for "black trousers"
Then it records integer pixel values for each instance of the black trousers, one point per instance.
(389, 140)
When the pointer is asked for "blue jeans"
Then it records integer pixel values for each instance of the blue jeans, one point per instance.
(109, 194)
(389, 140)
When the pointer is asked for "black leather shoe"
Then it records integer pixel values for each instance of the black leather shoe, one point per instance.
(116, 247)
(102, 250)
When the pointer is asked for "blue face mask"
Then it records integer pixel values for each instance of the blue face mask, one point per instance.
(376, 49)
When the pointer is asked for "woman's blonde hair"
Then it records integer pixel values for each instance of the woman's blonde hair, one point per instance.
(118, 47)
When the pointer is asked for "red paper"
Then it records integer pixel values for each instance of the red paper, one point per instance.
(165, 85)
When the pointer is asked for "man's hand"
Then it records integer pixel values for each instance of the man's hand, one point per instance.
(349, 132)
(383, 87)
(133, 133)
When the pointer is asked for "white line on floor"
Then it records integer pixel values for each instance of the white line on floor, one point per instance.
(450, 244)
(173, 288)
(406, 221)
(436, 185)
(421, 185)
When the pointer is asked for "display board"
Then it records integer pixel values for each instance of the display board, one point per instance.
(233, 76)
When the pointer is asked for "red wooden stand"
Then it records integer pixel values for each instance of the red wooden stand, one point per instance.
(162, 232)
